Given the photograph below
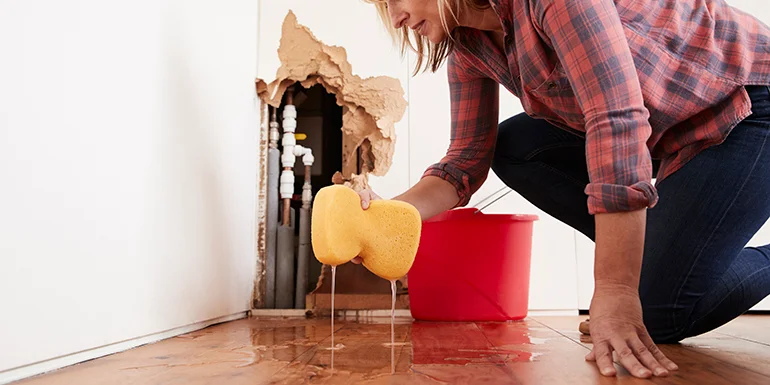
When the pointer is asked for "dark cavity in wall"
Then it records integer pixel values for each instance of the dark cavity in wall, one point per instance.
(320, 118)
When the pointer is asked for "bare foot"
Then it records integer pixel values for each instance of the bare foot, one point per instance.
(584, 327)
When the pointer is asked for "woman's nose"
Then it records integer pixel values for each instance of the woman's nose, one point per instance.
(398, 18)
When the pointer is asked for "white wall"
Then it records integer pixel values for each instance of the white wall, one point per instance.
(128, 150)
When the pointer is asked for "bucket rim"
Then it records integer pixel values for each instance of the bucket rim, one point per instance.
(467, 214)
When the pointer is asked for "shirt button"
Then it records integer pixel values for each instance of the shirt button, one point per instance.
(551, 85)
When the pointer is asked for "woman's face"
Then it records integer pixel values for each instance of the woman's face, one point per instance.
(421, 16)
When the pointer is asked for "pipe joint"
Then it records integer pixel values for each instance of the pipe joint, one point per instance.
(289, 141)
(274, 134)
(288, 159)
(307, 194)
(306, 154)
(289, 118)
(308, 158)
(287, 184)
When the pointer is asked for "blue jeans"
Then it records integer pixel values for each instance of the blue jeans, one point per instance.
(696, 273)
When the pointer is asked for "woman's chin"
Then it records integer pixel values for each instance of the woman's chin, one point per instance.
(436, 38)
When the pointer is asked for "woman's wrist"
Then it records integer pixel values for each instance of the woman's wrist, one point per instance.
(430, 196)
(619, 249)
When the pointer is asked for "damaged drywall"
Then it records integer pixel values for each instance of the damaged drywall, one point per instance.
(371, 106)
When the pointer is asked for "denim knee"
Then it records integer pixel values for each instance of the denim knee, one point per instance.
(509, 155)
(662, 325)
(512, 144)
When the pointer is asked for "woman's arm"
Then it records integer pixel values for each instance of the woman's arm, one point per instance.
(619, 248)
(431, 196)
(590, 42)
(474, 108)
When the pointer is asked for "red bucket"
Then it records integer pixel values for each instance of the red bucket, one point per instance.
(472, 267)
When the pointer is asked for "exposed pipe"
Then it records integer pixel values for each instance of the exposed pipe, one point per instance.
(288, 158)
(284, 288)
(273, 170)
(284, 279)
(303, 254)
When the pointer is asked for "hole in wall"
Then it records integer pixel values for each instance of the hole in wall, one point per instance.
(357, 117)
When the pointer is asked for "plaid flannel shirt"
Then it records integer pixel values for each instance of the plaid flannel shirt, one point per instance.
(640, 80)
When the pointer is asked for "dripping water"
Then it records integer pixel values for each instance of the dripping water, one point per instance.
(334, 273)
(392, 326)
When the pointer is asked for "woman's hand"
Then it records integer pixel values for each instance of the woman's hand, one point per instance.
(616, 310)
(616, 325)
(367, 196)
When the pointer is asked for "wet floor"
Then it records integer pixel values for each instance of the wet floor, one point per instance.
(295, 351)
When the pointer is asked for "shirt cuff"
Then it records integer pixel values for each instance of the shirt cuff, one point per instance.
(610, 198)
(455, 176)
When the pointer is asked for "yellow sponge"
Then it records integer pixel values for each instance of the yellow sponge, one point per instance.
(385, 235)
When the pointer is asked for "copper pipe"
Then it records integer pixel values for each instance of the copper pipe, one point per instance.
(286, 212)
(290, 95)
(286, 217)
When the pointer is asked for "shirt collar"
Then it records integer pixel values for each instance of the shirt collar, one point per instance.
(503, 10)
(467, 37)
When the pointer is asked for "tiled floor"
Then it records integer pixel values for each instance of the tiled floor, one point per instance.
(540, 350)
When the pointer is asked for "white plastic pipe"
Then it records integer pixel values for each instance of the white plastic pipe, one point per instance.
(288, 157)
(307, 193)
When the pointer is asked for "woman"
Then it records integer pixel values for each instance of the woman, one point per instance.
(615, 93)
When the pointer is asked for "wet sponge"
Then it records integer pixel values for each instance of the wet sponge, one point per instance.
(385, 236)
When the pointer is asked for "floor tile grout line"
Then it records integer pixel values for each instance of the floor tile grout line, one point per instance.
(401, 351)
(721, 361)
(509, 372)
(314, 347)
(562, 334)
(743, 338)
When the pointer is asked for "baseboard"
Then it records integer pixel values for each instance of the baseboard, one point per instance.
(341, 313)
(376, 313)
(41, 367)
(278, 312)
(552, 313)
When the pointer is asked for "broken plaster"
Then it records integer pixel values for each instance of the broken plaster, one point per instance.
(371, 106)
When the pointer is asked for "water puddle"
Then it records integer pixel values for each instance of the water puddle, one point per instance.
(538, 341)
(414, 378)
(387, 345)
(435, 348)
(302, 342)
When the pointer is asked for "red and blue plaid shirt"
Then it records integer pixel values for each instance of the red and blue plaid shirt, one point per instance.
(639, 79)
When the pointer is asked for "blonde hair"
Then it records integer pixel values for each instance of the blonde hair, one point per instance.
(429, 54)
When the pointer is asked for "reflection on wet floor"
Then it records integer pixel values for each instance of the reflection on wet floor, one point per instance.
(289, 351)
